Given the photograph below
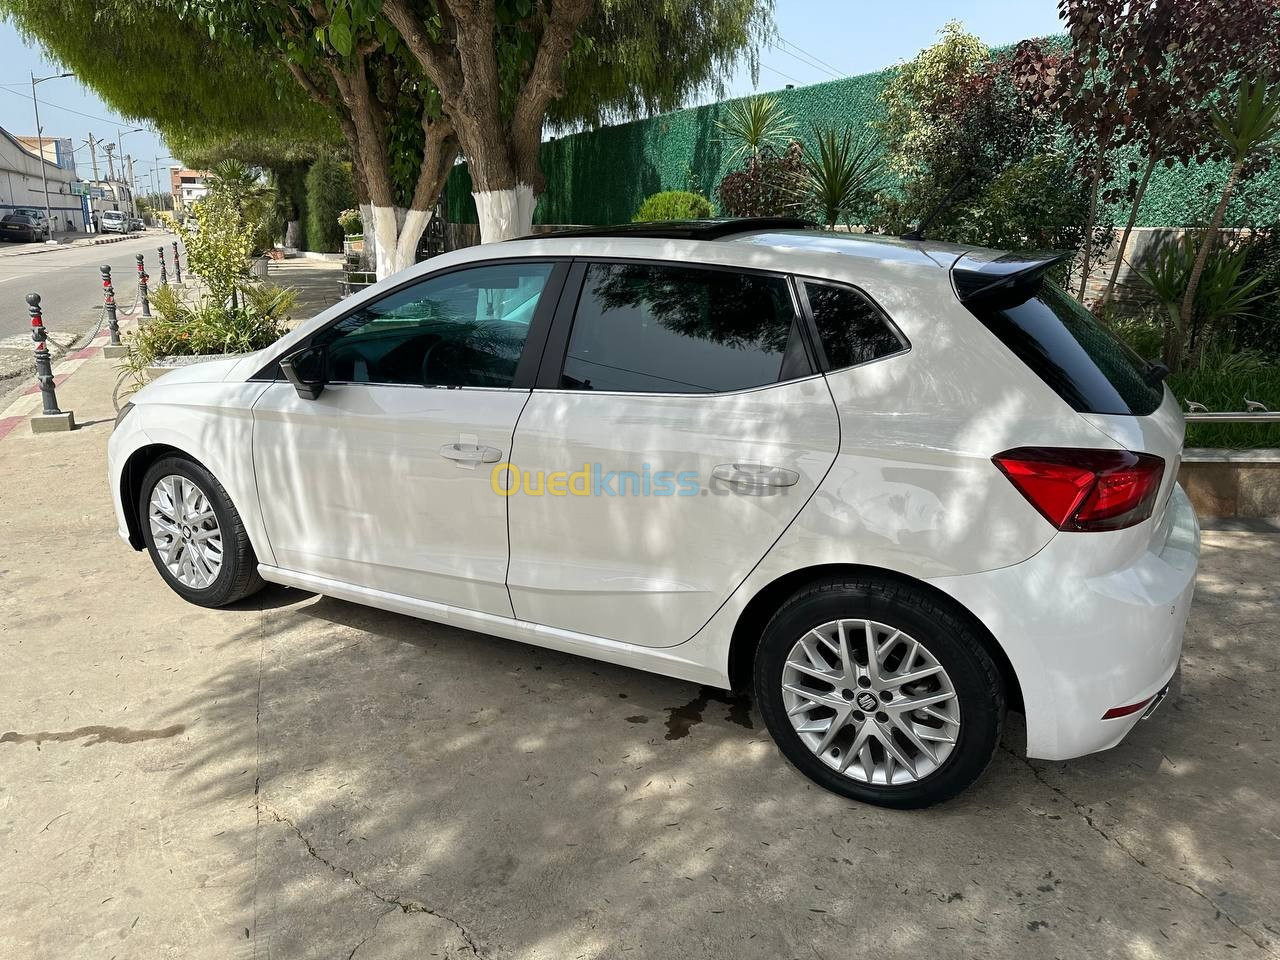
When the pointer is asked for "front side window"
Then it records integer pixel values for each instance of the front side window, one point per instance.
(851, 330)
(462, 329)
(667, 329)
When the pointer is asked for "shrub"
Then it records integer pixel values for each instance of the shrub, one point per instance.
(767, 186)
(1262, 260)
(749, 126)
(207, 326)
(351, 222)
(218, 249)
(329, 192)
(673, 205)
(843, 178)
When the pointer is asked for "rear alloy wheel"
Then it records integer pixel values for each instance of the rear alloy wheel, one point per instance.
(877, 691)
(194, 534)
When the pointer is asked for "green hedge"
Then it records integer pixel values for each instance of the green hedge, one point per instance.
(602, 176)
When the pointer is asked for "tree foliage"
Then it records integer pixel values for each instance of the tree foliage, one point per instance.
(768, 185)
(152, 66)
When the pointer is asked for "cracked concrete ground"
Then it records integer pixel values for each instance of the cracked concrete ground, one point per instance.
(301, 777)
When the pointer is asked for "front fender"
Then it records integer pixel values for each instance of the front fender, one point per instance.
(212, 423)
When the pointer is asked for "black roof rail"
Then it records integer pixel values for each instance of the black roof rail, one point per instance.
(975, 276)
(685, 229)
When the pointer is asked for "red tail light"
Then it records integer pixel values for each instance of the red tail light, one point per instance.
(1080, 490)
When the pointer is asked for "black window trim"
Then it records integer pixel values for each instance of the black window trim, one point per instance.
(824, 364)
(555, 352)
(534, 344)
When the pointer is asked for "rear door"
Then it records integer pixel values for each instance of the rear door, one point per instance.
(677, 428)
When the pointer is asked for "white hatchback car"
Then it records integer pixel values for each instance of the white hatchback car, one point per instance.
(892, 487)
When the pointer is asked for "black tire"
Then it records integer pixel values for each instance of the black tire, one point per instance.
(237, 577)
(951, 640)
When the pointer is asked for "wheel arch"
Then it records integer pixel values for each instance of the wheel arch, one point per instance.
(131, 484)
(766, 602)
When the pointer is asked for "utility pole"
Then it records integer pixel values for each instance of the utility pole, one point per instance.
(93, 156)
(44, 176)
(133, 202)
(111, 169)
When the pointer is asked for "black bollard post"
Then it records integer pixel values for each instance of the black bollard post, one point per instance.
(177, 264)
(164, 275)
(115, 348)
(142, 287)
(52, 419)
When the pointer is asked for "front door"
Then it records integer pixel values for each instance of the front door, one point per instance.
(383, 480)
(684, 429)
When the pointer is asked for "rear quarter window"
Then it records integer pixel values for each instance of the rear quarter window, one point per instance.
(1085, 364)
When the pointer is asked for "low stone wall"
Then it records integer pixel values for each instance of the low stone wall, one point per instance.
(1232, 483)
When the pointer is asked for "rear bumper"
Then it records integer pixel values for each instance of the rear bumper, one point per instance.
(1084, 640)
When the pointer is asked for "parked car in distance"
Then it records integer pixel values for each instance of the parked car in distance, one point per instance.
(894, 488)
(113, 221)
(135, 223)
(24, 223)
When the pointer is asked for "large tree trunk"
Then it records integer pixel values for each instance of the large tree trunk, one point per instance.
(505, 214)
(396, 232)
(458, 55)
(1174, 362)
(1128, 229)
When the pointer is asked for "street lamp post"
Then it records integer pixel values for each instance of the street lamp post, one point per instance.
(44, 176)
(133, 202)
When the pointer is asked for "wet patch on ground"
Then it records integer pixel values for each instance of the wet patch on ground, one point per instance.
(681, 719)
(96, 735)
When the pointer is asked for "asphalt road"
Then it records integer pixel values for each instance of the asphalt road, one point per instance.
(68, 282)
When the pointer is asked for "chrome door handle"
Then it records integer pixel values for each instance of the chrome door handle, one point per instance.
(470, 453)
(755, 475)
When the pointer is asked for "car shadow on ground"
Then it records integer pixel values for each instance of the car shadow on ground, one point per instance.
(549, 805)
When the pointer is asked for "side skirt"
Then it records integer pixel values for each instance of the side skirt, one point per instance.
(660, 660)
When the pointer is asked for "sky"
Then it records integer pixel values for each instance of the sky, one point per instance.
(817, 40)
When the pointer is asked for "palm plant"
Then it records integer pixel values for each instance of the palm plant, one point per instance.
(1222, 294)
(1250, 127)
(751, 125)
(843, 177)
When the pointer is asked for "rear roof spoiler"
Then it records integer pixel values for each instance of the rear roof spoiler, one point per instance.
(978, 276)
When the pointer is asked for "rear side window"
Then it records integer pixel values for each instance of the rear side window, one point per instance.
(1087, 365)
(656, 328)
(851, 329)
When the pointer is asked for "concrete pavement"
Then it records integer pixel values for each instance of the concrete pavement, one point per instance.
(302, 777)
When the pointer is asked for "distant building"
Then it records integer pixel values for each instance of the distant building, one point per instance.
(21, 159)
(109, 195)
(187, 186)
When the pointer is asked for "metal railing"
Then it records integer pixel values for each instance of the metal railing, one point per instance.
(1254, 412)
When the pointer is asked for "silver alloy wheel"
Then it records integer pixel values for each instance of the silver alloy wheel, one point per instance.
(185, 530)
(871, 702)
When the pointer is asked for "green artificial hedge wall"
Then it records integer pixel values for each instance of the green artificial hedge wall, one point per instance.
(602, 176)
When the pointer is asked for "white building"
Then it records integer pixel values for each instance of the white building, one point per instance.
(187, 186)
(21, 184)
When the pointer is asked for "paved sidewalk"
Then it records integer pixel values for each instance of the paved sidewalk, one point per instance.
(302, 777)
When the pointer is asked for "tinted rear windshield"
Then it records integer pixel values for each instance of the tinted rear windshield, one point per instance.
(1086, 364)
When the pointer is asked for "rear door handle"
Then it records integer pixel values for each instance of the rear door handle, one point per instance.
(755, 475)
(470, 453)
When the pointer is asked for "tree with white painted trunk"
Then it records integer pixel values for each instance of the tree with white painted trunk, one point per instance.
(348, 59)
(506, 68)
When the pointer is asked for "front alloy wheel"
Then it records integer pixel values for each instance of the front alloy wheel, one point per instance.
(185, 531)
(194, 533)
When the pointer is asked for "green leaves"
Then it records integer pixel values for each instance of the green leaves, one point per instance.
(1252, 123)
(844, 177)
(751, 125)
(340, 32)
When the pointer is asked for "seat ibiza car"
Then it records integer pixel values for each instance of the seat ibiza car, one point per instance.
(894, 488)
